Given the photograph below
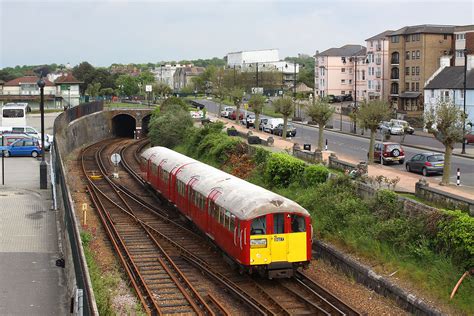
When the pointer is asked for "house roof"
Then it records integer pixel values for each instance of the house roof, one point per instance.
(410, 95)
(380, 35)
(27, 79)
(464, 28)
(346, 50)
(452, 78)
(424, 28)
(68, 78)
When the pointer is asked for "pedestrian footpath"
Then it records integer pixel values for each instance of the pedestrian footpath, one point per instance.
(407, 180)
(30, 281)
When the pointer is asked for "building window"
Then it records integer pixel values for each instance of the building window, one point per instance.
(432, 93)
(394, 88)
(417, 86)
(418, 36)
(412, 71)
(350, 81)
(350, 70)
(417, 70)
(445, 36)
(407, 71)
(369, 84)
(407, 86)
(343, 81)
(412, 86)
(363, 74)
(394, 73)
(413, 55)
(418, 54)
(413, 37)
(459, 53)
(407, 55)
(371, 44)
(343, 92)
(395, 39)
(343, 69)
(407, 38)
(395, 58)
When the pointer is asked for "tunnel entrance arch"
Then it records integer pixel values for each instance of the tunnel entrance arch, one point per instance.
(146, 125)
(123, 125)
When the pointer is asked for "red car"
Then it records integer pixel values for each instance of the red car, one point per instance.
(470, 138)
(389, 152)
(234, 114)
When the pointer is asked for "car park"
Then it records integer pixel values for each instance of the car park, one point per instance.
(290, 130)
(227, 111)
(426, 163)
(407, 128)
(271, 123)
(389, 152)
(22, 147)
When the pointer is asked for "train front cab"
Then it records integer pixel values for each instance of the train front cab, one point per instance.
(279, 244)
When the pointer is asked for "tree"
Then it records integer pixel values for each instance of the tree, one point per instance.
(162, 89)
(106, 92)
(168, 125)
(256, 102)
(285, 107)
(237, 94)
(173, 101)
(320, 112)
(445, 121)
(84, 72)
(369, 116)
(127, 85)
(93, 89)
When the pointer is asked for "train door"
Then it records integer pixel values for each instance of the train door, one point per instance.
(278, 241)
(192, 209)
(213, 213)
(160, 179)
(297, 238)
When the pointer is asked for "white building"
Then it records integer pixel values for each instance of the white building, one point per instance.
(165, 73)
(265, 60)
(447, 84)
(462, 34)
(378, 70)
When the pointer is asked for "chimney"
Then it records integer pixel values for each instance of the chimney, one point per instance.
(445, 61)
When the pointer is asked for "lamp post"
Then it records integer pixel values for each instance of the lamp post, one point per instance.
(464, 105)
(355, 92)
(43, 167)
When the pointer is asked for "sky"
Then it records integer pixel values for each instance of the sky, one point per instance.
(103, 32)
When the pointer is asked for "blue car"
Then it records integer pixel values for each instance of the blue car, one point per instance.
(22, 147)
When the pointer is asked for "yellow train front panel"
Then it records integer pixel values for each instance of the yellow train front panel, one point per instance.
(265, 249)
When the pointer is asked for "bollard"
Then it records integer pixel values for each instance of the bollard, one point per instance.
(458, 177)
(326, 147)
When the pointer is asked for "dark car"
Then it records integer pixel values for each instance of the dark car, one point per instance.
(347, 97)
(426, 163)
(331, 98)
(234, 114)
(290, 130)
(389, 152)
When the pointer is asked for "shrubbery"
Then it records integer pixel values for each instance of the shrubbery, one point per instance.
(169, 125)
(283, 169)
(315, 174)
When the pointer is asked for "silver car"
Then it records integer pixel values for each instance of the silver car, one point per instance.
(392, 129)
(426, 163)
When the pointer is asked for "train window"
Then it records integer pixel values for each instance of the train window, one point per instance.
(259, 226)
(227, 219)
(165, 176)
(278, 223)
(181, 188)
(232, 223)
(297, 223)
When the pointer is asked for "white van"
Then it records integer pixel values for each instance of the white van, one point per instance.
(227, 111)
(270, 125)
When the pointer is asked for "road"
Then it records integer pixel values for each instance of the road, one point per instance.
(356, 147)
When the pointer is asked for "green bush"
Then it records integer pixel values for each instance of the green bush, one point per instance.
(173, 101)
(386, 204)
(168, 128)
(283, 169)
(261, 157)
(456, 237)
(314, 174)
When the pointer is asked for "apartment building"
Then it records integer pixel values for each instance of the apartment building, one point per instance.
(165, 73)
(378, 71)
(414, 56)
(340, 71)
(182, 76)
(463, 39)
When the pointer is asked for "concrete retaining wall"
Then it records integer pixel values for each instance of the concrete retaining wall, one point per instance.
(444, 199)
(372, 280)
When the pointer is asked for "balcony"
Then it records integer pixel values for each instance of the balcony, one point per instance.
(377, 88)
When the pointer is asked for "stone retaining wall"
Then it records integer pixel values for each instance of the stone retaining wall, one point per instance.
(444, 199)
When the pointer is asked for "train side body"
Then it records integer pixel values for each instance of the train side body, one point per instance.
(258, 229)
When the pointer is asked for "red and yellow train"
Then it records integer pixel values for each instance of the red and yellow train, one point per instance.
(261, 231)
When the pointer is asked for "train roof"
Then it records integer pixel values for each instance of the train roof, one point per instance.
(243, 199)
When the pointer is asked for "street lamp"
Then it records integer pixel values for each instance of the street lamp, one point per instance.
(43, 167)
(464, 108)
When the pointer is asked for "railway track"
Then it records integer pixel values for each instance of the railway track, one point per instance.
(191, 254)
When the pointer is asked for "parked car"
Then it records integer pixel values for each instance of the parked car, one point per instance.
(426, 163)
(262, 123)
(290, 130)
(407, 128)
(10, 138)
(249, 120)
(331, 98)
(22, 147)
(392, 129)
(226, 111)
(271, 124)
(470, 138)
(233, 115)
(32, 132)
(347, 97)
(388, 152)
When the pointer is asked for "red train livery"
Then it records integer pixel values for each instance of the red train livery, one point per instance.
(261, 231)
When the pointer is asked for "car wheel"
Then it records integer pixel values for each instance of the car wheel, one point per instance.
(383, 162)
(34, 154)
(6, 153)
(425, 172)
(407, 167)
(401, 161)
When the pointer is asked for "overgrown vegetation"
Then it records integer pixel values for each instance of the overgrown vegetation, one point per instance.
(168, 125)
(432, 250)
